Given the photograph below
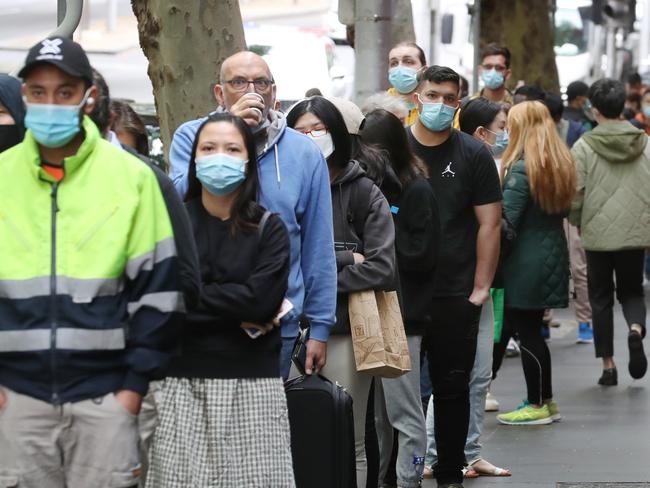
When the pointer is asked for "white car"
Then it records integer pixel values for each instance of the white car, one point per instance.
(299, 59)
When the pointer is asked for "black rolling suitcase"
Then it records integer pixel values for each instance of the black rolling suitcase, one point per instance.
(322, 429)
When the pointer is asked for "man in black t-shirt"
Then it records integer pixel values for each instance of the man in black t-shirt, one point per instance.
(464, 178)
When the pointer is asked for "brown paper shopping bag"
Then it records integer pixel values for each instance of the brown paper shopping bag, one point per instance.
(378, 336)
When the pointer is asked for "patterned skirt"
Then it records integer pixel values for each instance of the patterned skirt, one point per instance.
(216, 433)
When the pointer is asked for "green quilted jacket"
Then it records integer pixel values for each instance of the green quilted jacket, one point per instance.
(536, 272)
(612, 202)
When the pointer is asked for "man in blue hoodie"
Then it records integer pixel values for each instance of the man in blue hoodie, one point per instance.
(294, 183)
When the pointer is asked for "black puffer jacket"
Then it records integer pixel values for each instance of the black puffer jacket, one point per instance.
(362, 224)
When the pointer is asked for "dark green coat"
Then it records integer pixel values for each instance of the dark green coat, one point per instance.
(536, 272)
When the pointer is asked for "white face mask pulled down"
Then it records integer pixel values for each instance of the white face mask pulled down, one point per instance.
(324, 143)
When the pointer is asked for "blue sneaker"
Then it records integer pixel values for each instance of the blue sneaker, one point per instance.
(585, 333)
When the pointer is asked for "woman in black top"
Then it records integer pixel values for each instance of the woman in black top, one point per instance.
(415, 212)
(223, 416)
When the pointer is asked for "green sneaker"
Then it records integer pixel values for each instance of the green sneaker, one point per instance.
(552, 408)
(527, 416)
(554, 411)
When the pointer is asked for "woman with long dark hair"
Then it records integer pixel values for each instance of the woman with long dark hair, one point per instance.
(223, 414)
(417, 228)
(364, 242)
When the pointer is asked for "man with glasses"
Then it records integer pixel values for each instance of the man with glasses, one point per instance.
(494, 72)
(294, 183)
(464, 178)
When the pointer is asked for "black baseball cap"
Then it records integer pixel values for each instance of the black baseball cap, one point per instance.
(63, 53)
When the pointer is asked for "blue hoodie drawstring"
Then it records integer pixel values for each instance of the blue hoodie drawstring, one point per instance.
(277, 164)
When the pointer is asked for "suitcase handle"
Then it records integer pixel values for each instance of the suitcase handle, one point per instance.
(297, 349)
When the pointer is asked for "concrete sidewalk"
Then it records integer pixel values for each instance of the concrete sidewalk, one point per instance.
(604, 435)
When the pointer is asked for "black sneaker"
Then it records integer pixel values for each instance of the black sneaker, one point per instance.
(451, 485)
(609, 377)
(638, 364)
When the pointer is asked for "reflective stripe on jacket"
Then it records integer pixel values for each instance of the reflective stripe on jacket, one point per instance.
(88, 278)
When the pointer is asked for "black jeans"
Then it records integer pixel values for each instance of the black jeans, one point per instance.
(601, 267)
(535, 356)
(450, 343)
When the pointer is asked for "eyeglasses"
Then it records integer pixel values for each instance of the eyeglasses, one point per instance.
(241, 84)
(315, 132)
(497, 67)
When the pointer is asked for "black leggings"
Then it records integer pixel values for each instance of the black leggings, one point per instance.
(535, 356)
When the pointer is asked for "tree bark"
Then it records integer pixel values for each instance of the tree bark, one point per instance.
(525, 27)
(185, 42)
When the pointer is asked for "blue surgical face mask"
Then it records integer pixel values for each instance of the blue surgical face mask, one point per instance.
(404, 79)
(646, 112)
(493, 79)
(220, 173)
(436, 117)
(54, 125)
(499, 147)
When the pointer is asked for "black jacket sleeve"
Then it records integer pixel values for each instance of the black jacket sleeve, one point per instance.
(188, 261)
(417, 228)
(187, 255)
(258, 299)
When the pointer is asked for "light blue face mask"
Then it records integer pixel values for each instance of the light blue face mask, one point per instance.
(404, 79)
(499, 147)
(54, 125)
(493, 79)
(646, 112)
(220, 173)
(436, 116)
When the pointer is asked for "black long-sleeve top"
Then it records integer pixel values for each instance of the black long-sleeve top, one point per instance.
(244, 279)
(417, 240)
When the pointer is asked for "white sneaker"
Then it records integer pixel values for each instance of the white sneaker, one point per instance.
(512, 349)
(491, 403)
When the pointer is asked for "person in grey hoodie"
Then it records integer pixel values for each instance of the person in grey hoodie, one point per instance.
(612, 210)
(364, 237)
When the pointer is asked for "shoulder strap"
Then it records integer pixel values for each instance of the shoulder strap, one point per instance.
(262, 224)
(360, 201)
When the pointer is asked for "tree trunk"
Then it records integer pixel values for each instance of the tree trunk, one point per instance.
(525, 27)
(185, 42)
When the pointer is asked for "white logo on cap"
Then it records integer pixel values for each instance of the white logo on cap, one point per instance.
(50, 50)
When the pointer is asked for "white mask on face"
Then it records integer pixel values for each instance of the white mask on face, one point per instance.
(325, 143)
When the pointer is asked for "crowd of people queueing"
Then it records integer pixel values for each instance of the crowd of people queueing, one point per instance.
(148, 321)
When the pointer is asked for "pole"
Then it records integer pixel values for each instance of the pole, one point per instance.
(60, 11)
(644, 41)
(111, 15)
(71, 18)
(476, 18)
(611, 52)
(371, 43)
